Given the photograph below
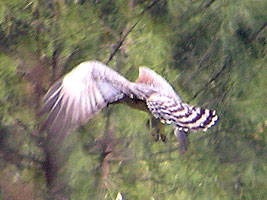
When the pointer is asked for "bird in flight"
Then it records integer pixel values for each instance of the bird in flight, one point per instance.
(91, 86)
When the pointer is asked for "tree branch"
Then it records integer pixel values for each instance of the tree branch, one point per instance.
(203, 59)
(255, 35)
(149, 7)
(126, 33)
(120, 42)
(209, 3)
(212, 79)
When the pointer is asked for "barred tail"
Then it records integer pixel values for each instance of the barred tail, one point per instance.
(194, 118)
(181, 115)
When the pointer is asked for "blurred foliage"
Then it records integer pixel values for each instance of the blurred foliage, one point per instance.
(212, 52)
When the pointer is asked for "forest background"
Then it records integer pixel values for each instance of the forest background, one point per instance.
(213, 52)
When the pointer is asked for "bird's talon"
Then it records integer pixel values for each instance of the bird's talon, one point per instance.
(155, 137)
(163, 138)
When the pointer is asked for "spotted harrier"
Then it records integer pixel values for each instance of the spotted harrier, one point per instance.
(91, 86)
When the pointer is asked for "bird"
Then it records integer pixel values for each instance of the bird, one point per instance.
(91, 86)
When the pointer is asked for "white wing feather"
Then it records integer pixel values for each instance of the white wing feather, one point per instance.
(81, 94)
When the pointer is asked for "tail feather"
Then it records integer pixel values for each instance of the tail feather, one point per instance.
(181, 115)
(197, 118)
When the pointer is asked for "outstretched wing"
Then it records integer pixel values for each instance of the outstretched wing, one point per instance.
(158, 83)
(167, 106)
(80, 94)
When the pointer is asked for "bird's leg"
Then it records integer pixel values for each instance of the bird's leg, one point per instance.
(182, 139)
(154, 135)
(160, 133)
